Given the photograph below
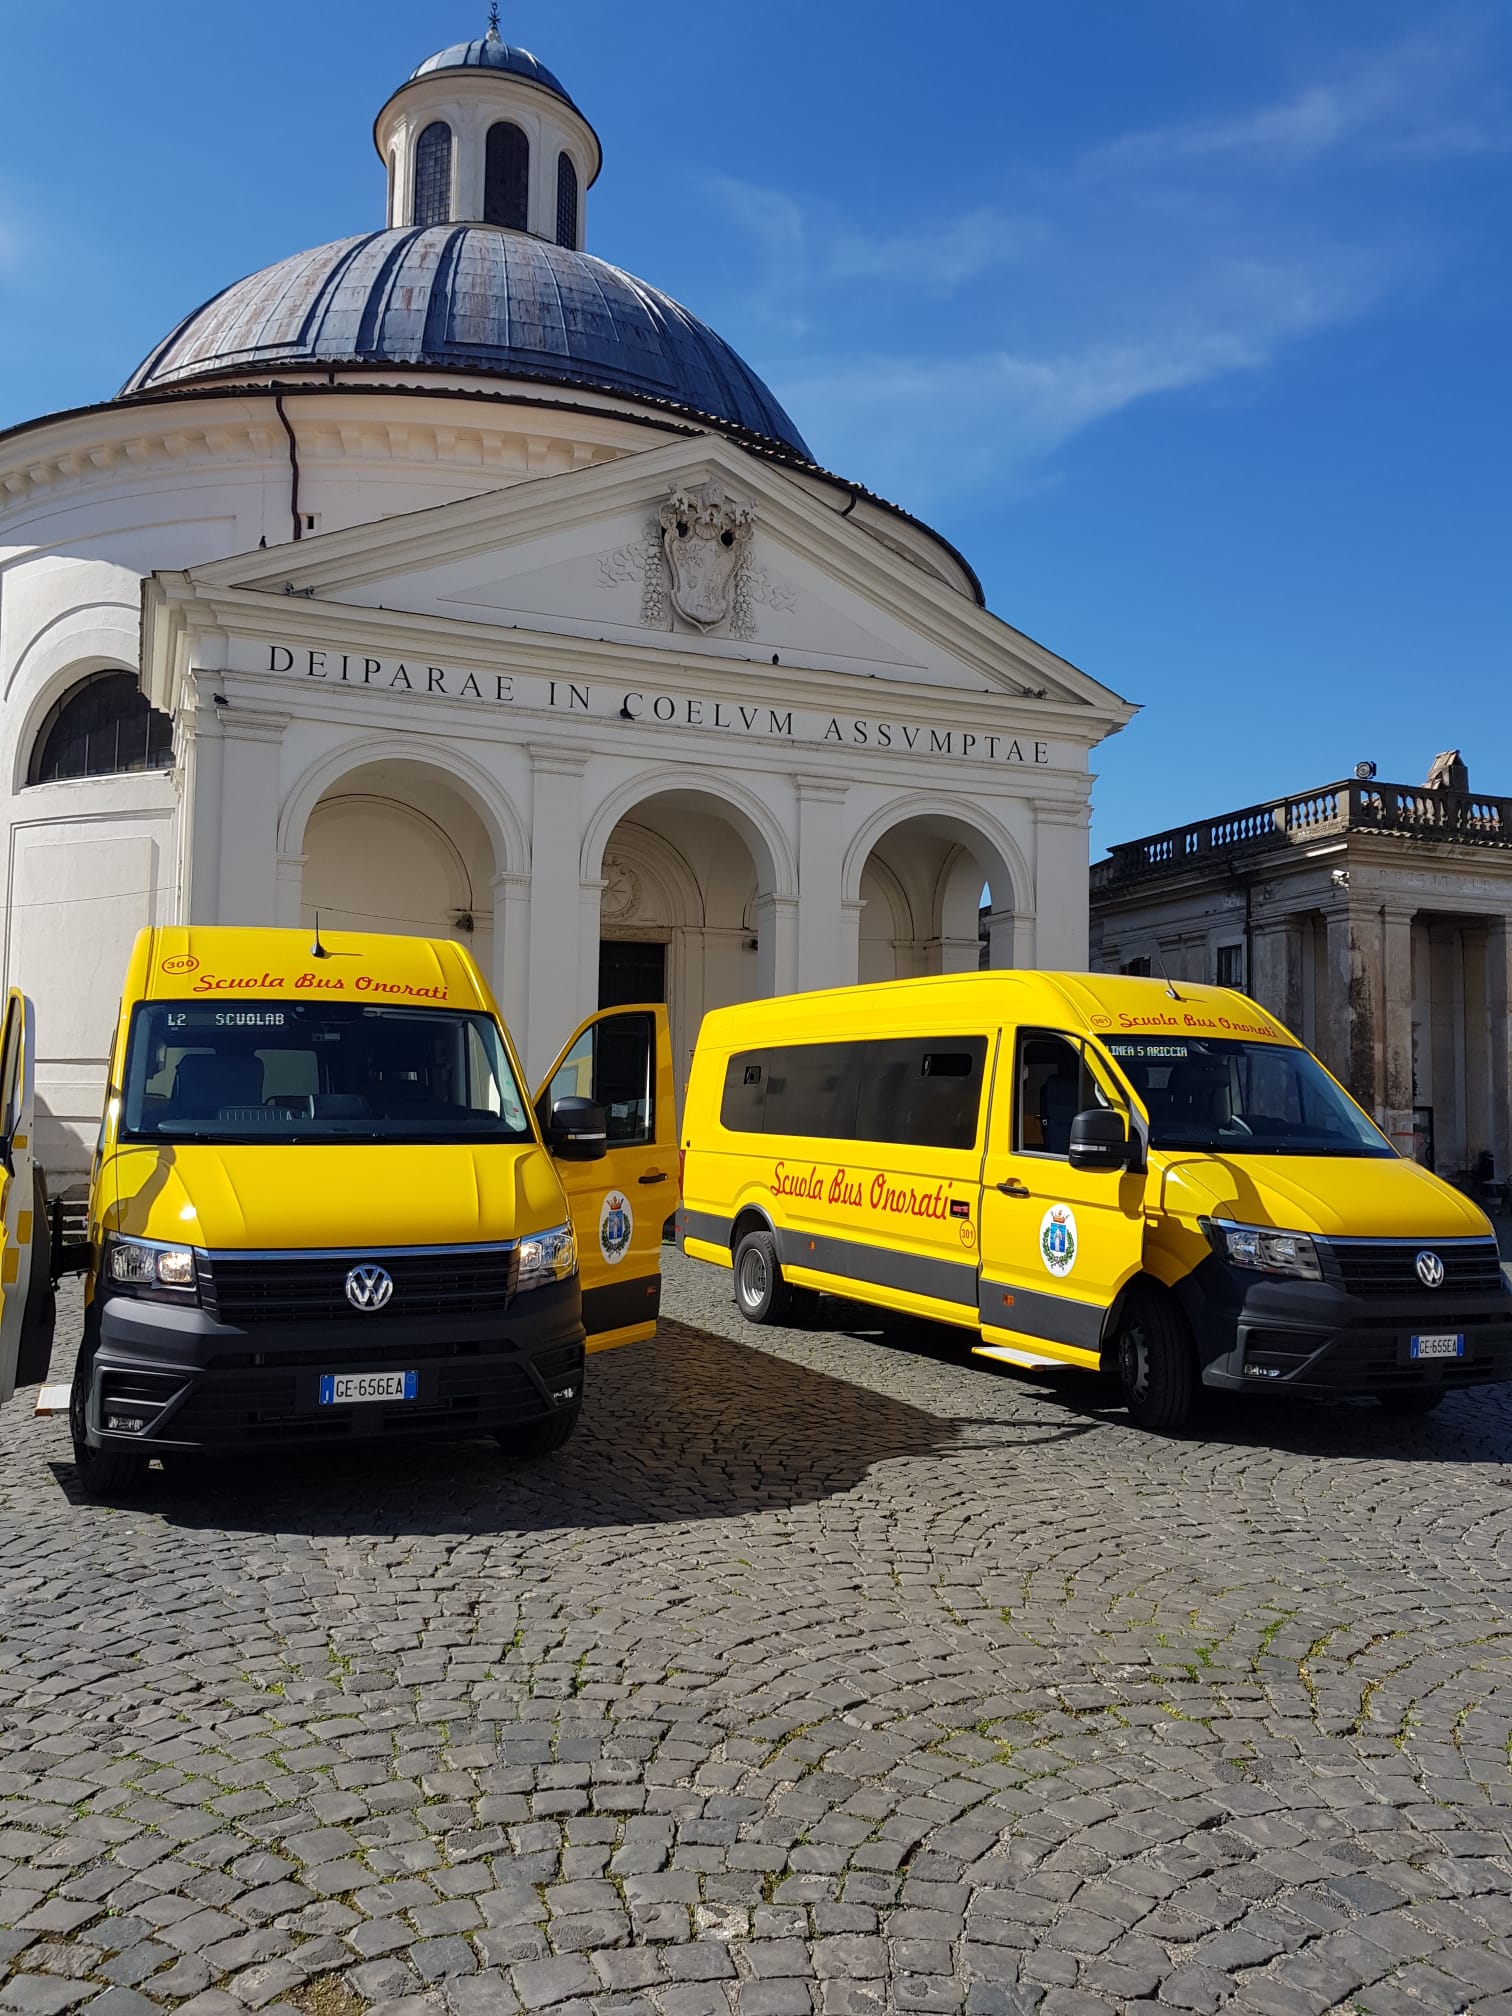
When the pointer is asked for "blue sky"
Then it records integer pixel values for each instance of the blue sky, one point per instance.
(1186, 321)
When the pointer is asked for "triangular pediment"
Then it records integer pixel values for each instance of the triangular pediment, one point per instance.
(582, 554)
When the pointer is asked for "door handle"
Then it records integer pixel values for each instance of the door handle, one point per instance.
(653, 1176)
(1012, 1187)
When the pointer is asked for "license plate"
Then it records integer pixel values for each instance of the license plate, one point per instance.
(338, 1387)
(1444, 1344)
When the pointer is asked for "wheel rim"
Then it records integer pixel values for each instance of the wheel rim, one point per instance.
(753, 1278)
(1131, 1359)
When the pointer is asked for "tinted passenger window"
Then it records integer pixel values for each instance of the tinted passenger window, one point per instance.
(1053, 1086)
(915, 1092)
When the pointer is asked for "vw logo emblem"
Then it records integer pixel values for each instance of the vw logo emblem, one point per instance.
(1430, 1270)
(369, 1288)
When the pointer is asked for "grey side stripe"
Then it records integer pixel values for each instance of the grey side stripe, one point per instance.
(1055, 1317)
(704, 1225)
(880, 1267)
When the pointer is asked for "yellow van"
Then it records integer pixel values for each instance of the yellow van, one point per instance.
(323, 1209)
(1082, 1169)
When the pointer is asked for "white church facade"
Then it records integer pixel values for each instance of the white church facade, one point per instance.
(449, 580)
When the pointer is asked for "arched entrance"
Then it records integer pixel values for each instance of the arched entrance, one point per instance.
(921, 878)
(692, 900)
(400, 847)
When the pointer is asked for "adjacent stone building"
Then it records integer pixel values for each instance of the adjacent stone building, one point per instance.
(1375, 919)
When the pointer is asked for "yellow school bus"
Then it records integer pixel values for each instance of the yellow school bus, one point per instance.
(323, 1208)
(1081, 1169)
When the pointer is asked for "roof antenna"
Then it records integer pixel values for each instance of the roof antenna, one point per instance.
(317, 950)
(1170, 987)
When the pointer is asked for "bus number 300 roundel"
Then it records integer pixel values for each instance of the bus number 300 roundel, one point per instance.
(1058, 1239)
(616, 1225)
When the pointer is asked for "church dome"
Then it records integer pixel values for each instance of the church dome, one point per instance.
(472, 298)
(490, 53)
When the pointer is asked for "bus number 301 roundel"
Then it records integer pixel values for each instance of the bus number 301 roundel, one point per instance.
(616, 1225)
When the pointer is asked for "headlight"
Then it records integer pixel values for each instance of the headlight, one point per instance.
(1265, 1251)
(137, 1264)
(546, 1257)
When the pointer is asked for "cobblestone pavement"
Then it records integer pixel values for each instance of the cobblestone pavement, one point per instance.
(824, 1670)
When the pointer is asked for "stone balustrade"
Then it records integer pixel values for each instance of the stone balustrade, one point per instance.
(1352, 806)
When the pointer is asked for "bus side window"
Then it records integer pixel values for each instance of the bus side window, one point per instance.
(1053, 1086)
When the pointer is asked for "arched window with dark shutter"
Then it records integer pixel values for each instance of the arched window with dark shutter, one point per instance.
(567, 203)
(433, 174)
(101, 728)
(506, 177)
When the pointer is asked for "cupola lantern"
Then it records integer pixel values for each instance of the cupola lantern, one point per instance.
(483, 133)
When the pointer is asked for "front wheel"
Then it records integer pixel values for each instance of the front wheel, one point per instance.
(532, 1439)
(102, 1473)
(1157, 1367)
(1415, 1400)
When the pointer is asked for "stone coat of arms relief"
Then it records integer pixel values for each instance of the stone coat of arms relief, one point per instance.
(696, 565)
(706, 545)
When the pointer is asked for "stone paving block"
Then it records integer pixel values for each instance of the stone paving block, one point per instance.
(542, 1984)
(42, 1994)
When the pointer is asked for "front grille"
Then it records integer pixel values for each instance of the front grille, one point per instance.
(1366, 1356)
(300, 1288)
(1389, 1267)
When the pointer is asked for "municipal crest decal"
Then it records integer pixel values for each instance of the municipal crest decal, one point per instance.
(706, 543)
(1058, 1240)
(616, 1225)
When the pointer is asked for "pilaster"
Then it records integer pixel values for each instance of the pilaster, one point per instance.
(1062, 876)
(251, 743)
(825, 959)
(556, 839)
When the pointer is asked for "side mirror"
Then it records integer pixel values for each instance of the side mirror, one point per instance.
(578, 1131)
(1099, 1140)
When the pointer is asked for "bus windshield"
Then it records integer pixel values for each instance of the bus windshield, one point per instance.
(1240, 1098)
(314, 1071)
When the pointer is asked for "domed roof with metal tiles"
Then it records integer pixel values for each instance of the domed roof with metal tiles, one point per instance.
(490, 52)
(469, 298)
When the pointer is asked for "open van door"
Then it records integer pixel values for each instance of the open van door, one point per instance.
(620, 1060)
(19, 1230)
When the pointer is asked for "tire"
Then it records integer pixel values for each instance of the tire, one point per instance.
(39, 1317)
(534, 1439)
(1415, 1401)
(1157, 1366)
(761, 1294)
(102, 1473)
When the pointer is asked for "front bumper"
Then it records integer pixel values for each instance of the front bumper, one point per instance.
(193, 1383)
(1312, 1337)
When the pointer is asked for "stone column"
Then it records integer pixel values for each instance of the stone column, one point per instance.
(1272, 979)
(822, 949)
(556, 840)
(1341, 1041)
(251, 742)
(1394, 1045)
(1499, 1014)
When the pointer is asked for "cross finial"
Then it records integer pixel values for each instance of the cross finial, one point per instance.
(493, 20)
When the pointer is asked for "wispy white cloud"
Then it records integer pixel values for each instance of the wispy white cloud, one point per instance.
(1158, 263)
(1395, 102)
